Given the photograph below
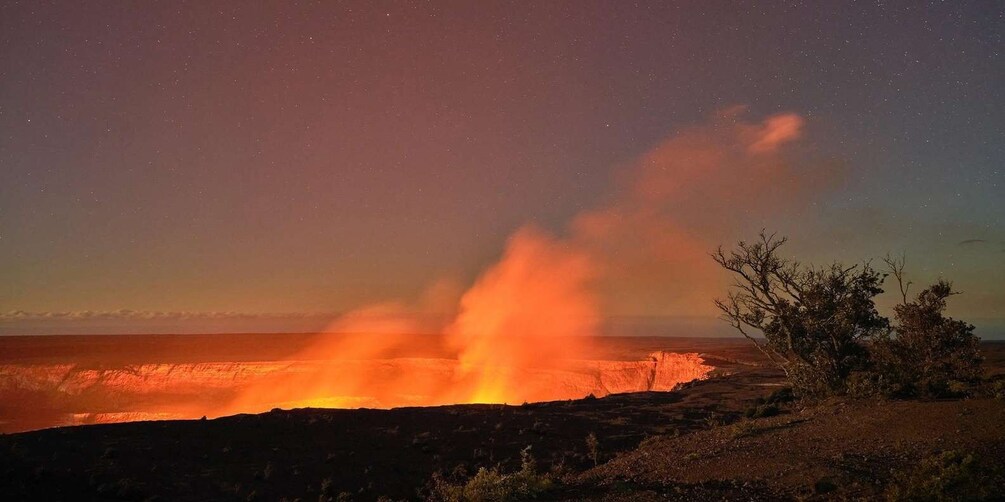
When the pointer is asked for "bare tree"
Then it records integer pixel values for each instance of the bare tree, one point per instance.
(895, 266)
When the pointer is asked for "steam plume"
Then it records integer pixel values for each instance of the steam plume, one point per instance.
(539, 307)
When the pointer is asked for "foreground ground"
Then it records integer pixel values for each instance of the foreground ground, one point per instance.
(691, 444)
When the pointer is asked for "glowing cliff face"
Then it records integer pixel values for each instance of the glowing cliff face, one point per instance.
(36, 396)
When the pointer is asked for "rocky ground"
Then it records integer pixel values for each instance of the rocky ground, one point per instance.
(692, 444)
(841, 449)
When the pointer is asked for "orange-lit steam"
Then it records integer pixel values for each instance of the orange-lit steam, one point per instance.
(522, 329)
(536, 308)
(703, 186)
(527, 329)
(530, 320)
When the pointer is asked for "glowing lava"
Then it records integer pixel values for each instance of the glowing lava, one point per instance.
(49, 395)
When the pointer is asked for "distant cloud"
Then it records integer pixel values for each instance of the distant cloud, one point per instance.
(146, 315)
(972, 242)
(776, 131)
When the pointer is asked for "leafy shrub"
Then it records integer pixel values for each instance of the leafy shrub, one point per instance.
(995, 388)
(948, 476)
(871, 384)
(927, 353)
(770, 406)
(490, 485)
(782, 395)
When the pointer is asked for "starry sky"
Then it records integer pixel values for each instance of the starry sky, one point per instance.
(224, 158)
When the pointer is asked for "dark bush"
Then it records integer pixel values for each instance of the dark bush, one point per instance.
(781, 396)
(927, 353)
(950, 475)
(995, 387)
(489, 485)
(823, 486)
(761, 411)
(813, 320)
(821, 326)
(867, 384)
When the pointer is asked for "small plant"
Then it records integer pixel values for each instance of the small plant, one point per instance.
(421, 439)
(950, 475)
(712, 420)
(649, 441)
(770, 406)
(593, 448)
(761, 411)
(869, 384)
(491, 485)
(741, 429)
(266, 473)
(326, 487)
(782, 395)
(824, 485)
(996, 388)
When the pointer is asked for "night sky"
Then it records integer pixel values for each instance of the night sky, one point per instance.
(234, 158)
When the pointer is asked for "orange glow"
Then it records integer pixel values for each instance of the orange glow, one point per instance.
(523, 330)
(51, 395)
(526, 324)
(527, 329)
(533, 310)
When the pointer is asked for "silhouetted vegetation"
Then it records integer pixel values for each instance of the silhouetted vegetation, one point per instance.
(995, 387)
(770, 406)
(741, 429)
(593, 448)
(926, 353)
(822, 328)
(950, 475)
(814, 320)
(762, 411)
(489, 484)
